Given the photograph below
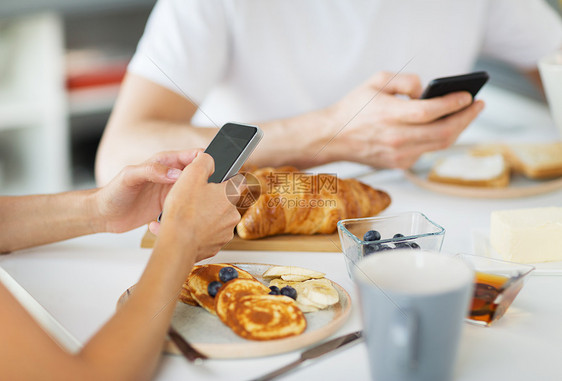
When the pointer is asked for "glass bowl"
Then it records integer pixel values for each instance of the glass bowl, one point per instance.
(496, 285)
(416, 229)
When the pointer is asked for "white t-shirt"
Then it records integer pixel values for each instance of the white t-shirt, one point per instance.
(256, 60)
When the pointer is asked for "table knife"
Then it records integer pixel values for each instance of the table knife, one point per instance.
(315, 352)
(186, 349)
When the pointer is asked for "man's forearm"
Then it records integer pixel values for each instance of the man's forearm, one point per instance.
(299, 141)
(303, 141)
(149, 118)
(34, 220)
(136, 141)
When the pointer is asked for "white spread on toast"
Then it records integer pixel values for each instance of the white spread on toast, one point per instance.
(469, 167)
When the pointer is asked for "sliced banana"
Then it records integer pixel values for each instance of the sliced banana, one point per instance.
(294, 278)
(305, 308)
(325, 281)
(280, 271)
(314, 292)
(282, 283)
(303, 300)
(319, 293)
(305, 304)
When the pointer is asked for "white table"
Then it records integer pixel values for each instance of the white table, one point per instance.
(79, 282)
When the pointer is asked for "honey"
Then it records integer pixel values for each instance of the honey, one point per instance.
(490, 299)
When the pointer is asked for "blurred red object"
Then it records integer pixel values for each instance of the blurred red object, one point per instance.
(107, 74)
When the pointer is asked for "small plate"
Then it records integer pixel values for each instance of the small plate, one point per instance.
(210, 336)
(481, 246)
(519, 186)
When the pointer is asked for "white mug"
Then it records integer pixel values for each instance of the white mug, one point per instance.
(550, 68)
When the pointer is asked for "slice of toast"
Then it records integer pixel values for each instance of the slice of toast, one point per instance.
(536, 160)
(472, 169)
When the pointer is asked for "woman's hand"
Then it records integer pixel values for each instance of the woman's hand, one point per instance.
(198, 214)
(136, 195)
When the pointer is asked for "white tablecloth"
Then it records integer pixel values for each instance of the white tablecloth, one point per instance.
(79, 282)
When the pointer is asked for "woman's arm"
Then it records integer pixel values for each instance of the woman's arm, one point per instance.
(132, 199)
(33, 220)
(128, 346)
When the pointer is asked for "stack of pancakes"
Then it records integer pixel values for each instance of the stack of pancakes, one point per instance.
(244, 304)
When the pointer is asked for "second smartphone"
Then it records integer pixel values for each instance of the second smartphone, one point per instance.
(471, 82)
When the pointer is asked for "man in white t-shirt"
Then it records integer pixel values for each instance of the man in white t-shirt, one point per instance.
(320, 77)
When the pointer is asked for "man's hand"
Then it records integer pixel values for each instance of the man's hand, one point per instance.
(136, 195)
(386, 131)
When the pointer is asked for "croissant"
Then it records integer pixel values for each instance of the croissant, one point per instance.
(298, 203)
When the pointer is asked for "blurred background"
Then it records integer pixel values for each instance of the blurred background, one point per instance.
(61, 63)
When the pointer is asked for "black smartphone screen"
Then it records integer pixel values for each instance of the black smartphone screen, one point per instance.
(471, 82)
(227, 146)
(230, 148)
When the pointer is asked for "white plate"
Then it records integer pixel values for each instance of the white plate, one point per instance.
(519, 185)
(210, 336)
(481, 246)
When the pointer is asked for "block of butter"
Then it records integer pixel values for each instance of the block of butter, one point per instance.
(527, 235)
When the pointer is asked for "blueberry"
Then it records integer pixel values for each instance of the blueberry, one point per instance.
(402, 245)
(414, 245)
(213, 288)
(398, 235)
(375, 247)
(289, 291)
(227, 273)
(370, 249)
(274, 290)
(372, 235)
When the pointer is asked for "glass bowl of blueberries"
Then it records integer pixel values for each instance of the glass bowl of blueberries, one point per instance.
(361, 237)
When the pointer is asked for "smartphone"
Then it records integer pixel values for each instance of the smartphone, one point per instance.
(471, 82)
(230, 148)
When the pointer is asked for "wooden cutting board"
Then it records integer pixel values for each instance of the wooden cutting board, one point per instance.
(319, 243)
